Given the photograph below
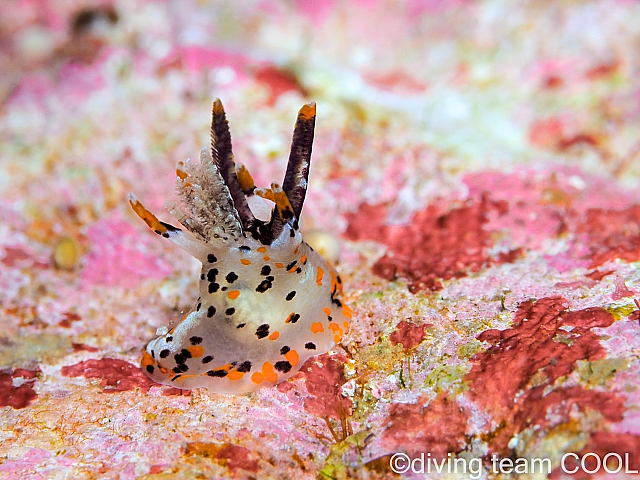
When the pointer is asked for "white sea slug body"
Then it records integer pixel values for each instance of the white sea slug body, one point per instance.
(267, 300)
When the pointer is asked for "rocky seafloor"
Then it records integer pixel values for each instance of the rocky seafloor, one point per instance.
(478, 163)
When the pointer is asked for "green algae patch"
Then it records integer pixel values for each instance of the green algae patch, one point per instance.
(33, 348)
(620, 311)
(470, 348)
(599, 372)
(448, 378)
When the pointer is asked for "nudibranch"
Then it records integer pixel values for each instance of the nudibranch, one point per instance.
(267, 300)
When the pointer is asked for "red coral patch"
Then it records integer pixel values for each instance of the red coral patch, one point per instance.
(279, 81)
(438, 428)
(439, 244)
(544, 344)
(612, 234)
(408, 334)
(324, 378)
(81, 347)
(232, 456)
(237, 457)
(21, 396)
(115, 375)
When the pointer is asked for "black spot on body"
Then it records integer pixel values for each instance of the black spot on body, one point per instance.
(231, 277)
(264, 286)
(292, 264)
(290, 295)
(263, 330)
(183, 367)
(224, 289)
(195, 340)
(179, 358)
(213, 287)
(271, 278)
(217, 373)
(266, 270)
(153, 354)
(244, 367)
(241, 325)
(298, 270)
(295, 318)
(211, 258)
(211, 311)
(164, 353)
(245, 249)
(169, 338)
(150, 368)
(207, 359)
(175, 378)
(202, 277)
(282, 366)
(337, 302)
(165, 235)
(230, 311)
(284, 350)
(211, 275)
(198, 307)
(310, 346)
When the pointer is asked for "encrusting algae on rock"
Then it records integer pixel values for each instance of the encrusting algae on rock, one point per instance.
(267, 300)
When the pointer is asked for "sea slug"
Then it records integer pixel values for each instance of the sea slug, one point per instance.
(267, 300)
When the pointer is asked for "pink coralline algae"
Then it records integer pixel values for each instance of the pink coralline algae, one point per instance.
(408, 334)
(118, 257)
(438, 244)
(115, 375)
(20, 396)
(544, 344)
(438, 428)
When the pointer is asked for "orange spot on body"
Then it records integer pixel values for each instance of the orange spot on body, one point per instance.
(274, 336)
(262, 249)
(269, 374)
(244, 261)
(334, 326)
(257, 377)
(317, 327)
(235, 375)
(303, 259)
(319, 276)
(233, 294)
(336, 338)
(279, 265)
(345, 324)
(292, 357)
(327, 310)
(196, 351)
(289, 317)
(147, 359)
(267, 258)
(347, 311)
(181, 174)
